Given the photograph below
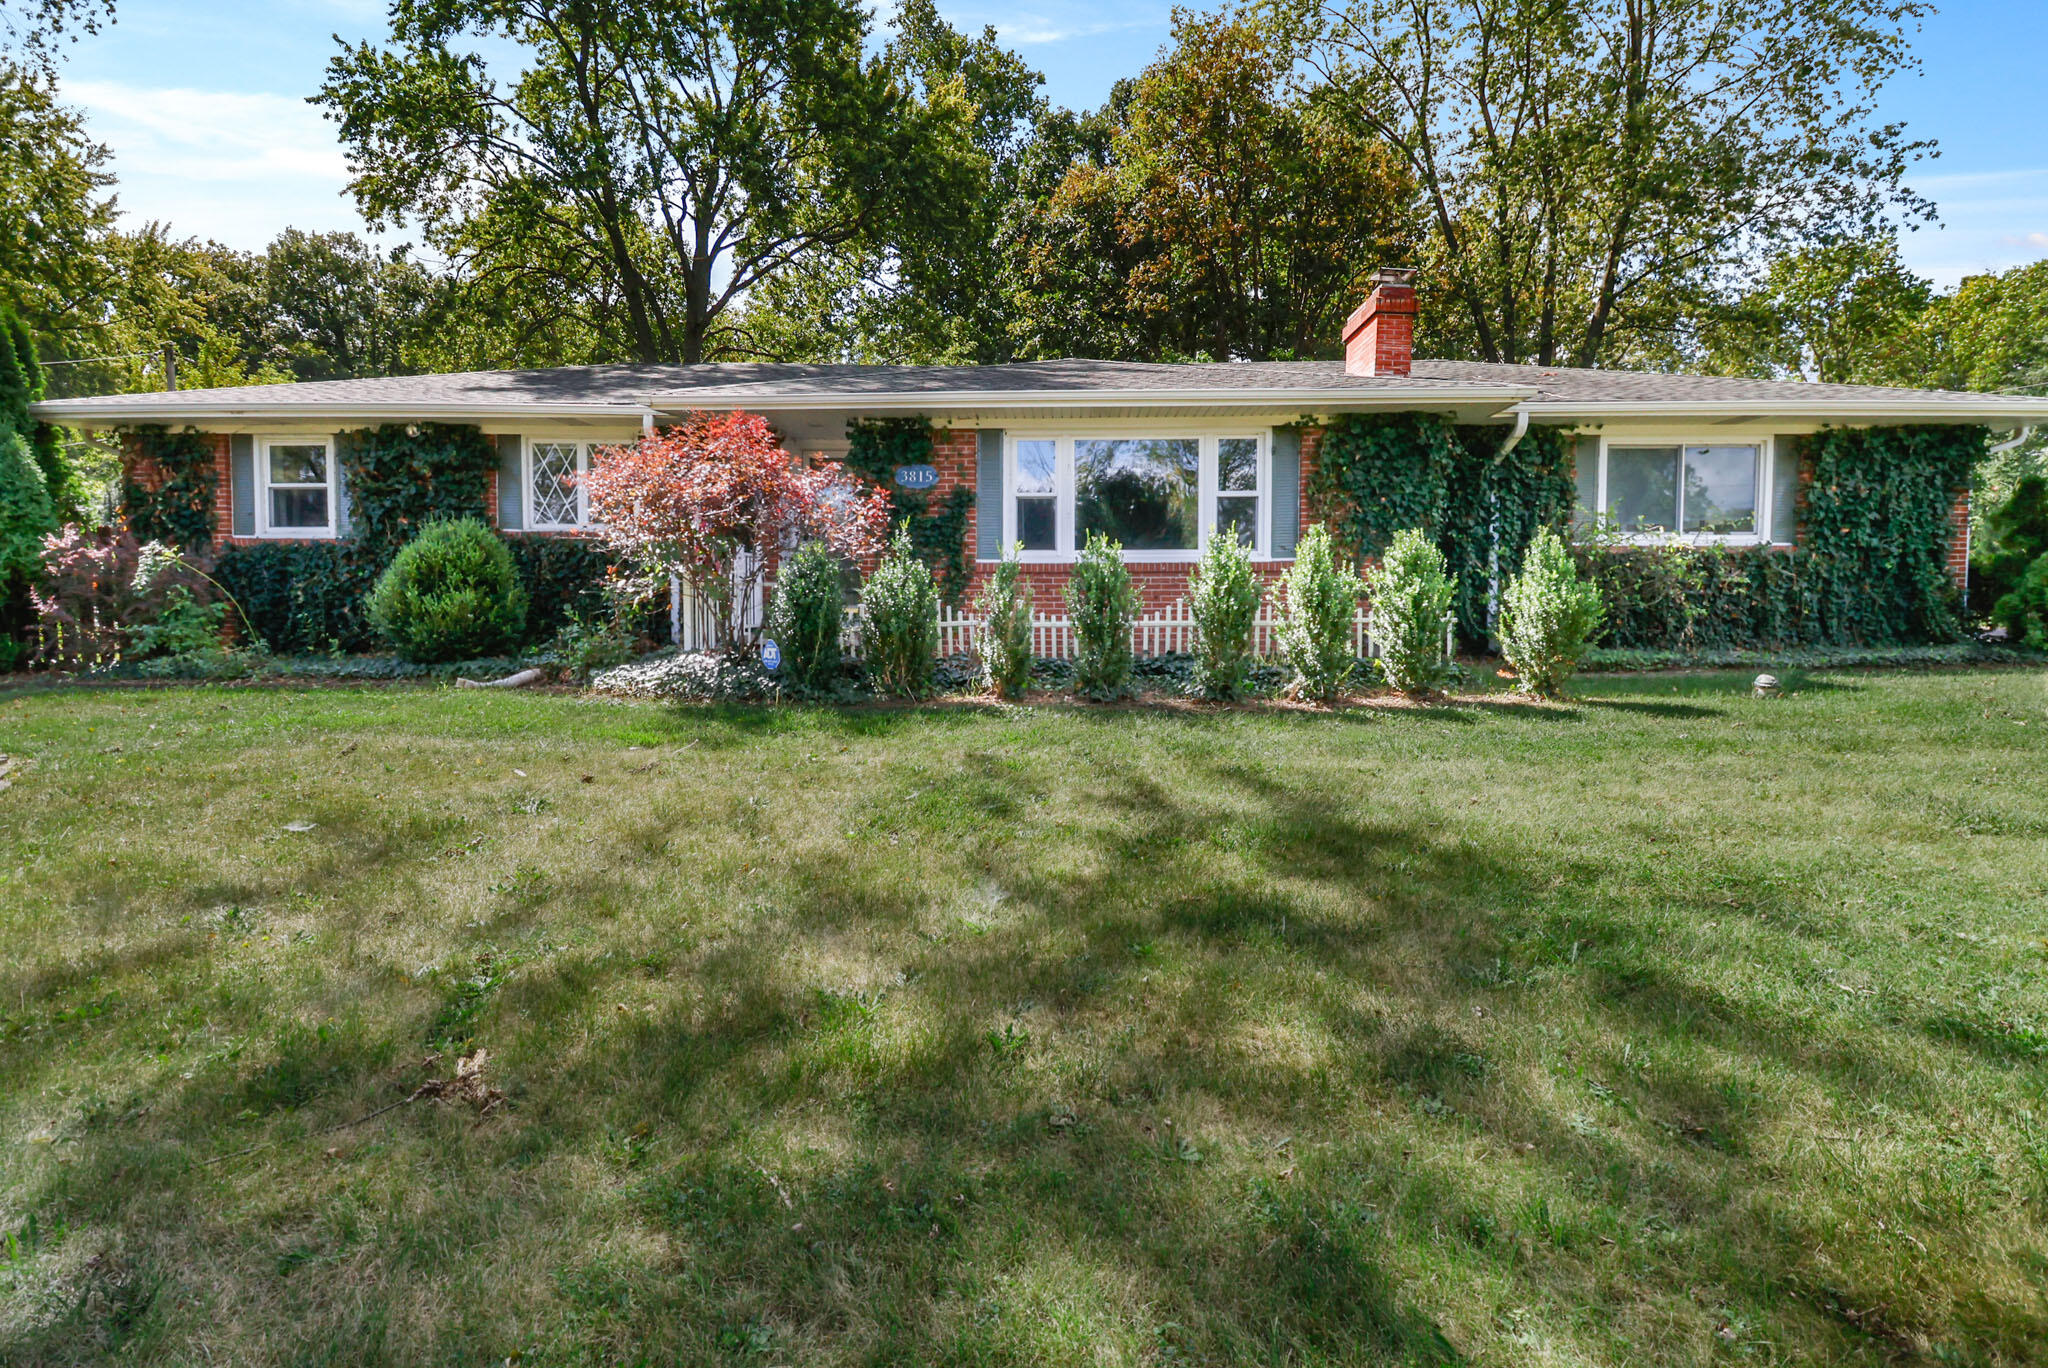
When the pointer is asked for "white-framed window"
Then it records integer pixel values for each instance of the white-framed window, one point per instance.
(1692, 489)
(294, 487)
(553, 483)
(1160, 493)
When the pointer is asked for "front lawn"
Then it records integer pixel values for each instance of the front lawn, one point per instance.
(1666, 1027)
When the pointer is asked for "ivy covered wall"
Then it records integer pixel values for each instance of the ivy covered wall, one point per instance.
(938, 525)
(307, 596)
(1376, 474)
(1872, 566)
(178, 505)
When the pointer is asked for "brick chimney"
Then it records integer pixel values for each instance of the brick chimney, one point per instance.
(1379, 337)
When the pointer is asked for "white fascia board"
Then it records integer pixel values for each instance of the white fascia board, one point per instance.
(1993, 409)
(970, 401)
(92, 412)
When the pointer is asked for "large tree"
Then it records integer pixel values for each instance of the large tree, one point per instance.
(338, 308)
(1595, 171)
(55, 214)
(31, 29)
(1229, 215)
(933, 289)
(1837, 312)
(643, 164)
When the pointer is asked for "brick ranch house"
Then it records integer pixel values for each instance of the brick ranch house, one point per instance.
(1041, 445)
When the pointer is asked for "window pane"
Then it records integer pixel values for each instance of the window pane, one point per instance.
(298, 464)
(1237, 463)
(1587, 473)
(1642, 488)
(1035, 462)
(1239, 514)
(554, 483)
(1784, 493)
(1720, 489)
(304, 508)
(1037, 522)
(1143, 492)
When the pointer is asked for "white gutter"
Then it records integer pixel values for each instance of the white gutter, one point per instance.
(1521, 412)
(1117, 398)
(2026, 431)
(91, 411)
(1990, 408)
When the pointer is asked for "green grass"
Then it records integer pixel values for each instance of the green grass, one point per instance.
(1664, 1027)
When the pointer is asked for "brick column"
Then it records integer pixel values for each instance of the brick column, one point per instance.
(1959, 541)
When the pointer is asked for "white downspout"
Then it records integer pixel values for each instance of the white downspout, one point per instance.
(2025, 431)
(1520, 429)
(675, 585)
(2001, 448)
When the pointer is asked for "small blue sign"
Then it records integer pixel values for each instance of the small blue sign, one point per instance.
(771, 655)
(917, 476)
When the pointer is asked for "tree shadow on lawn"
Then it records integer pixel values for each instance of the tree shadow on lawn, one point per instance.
(980, 1161)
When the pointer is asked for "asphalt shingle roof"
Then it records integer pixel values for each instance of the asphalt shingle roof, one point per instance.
(675, 387)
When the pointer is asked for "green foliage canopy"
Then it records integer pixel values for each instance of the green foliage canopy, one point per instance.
(648, 163)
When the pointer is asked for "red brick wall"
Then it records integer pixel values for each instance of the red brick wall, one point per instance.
(1959, 541)
(144, 472)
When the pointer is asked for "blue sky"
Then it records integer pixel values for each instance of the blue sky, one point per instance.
(204, 107)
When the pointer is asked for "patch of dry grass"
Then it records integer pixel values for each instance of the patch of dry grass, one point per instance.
(1666, 1026)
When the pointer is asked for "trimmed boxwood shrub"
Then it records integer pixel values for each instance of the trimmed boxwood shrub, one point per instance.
(1003, 640)
(1101, 604)
(451, 593)
(1548, 617)
(1318, 600)
(1412, 593)
(899, 614)
(804, 619)
(1224, 595)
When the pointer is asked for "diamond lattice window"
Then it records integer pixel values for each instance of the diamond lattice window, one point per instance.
(554, 484)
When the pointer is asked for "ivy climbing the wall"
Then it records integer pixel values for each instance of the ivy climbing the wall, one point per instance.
(308, 596)
(179, 510)
(1876, 530)
(1377, 474)
(401, 476)
(938, 528)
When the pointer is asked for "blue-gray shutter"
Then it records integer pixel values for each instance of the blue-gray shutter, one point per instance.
(1286, 491)
(510, 505)
(342, 442)
(242, 476)
(1586, 477)
(988, 495)
(1784, 488)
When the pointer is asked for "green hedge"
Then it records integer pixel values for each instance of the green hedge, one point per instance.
(302, 597)
(1690, 599)
(307, 597)
(1378, 474)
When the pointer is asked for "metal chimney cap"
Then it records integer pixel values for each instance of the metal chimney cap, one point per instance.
(1395, 275)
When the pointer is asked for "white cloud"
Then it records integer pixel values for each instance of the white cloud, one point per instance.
(234, 166)
(211, 134)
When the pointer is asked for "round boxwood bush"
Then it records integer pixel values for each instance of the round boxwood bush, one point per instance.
(451, 593)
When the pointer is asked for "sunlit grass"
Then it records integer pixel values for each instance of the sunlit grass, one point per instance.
(1667, 1026)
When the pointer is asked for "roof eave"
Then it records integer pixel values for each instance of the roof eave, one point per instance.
(1991, 409)
(90, 412)
(971, 400)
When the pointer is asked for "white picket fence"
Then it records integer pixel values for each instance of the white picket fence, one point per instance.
(1171, 630)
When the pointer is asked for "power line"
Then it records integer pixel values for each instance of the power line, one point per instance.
(87, 360)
